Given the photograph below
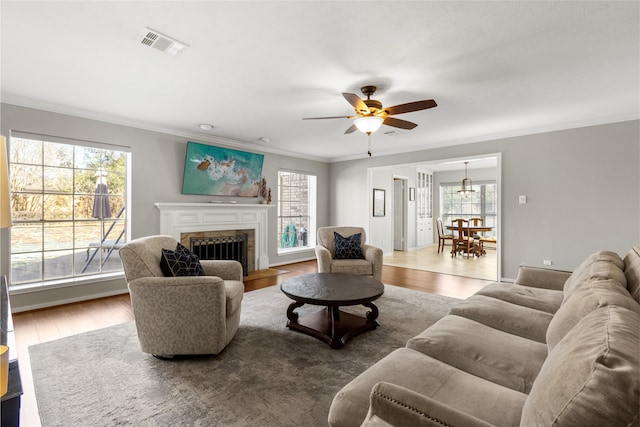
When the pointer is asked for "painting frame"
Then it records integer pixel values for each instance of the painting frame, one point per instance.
(412, 194)
(217, 171)
(379, 202)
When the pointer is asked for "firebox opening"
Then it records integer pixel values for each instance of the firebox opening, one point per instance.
(222, 248)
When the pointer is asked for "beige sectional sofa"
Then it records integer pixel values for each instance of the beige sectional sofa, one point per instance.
(552, 349)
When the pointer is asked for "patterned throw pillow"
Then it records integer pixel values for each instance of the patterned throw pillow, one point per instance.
(181, 262)
(348, 247)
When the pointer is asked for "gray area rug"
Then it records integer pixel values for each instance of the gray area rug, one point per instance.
(267, 376)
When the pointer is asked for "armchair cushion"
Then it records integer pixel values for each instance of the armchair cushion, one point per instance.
(181, 262)
(348, 247)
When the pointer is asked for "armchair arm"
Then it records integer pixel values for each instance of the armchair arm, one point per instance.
(324, 259)
(393, 405)
(224, 269)
(545, 278)
(374, 256)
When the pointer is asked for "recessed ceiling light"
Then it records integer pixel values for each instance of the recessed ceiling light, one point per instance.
(265, 139)
(205, 126)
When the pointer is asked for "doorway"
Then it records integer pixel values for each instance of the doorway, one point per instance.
(415, 253)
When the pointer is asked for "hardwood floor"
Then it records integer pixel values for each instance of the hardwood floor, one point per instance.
(38, 326)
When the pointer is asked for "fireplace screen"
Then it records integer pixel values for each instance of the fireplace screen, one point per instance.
(222, 248)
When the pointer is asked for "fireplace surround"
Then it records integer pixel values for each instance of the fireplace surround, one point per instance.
(186, 220)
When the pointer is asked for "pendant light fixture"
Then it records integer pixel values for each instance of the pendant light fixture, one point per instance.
(467, 186)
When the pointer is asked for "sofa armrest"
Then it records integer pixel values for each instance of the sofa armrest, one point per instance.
(394, 405)
(545, 278)
(224, 269)
(324, 259)
(374, 256)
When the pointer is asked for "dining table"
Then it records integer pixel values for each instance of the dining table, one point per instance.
(472, 230)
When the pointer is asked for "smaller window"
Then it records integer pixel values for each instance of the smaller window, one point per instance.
(296, 211)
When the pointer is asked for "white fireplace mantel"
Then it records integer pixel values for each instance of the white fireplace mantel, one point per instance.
(176, 218)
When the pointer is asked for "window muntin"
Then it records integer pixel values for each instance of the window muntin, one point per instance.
(296, 211)
(482, 203)
(62, 224)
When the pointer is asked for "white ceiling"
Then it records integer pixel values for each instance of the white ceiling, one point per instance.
(255, 69)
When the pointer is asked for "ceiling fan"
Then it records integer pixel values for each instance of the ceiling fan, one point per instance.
(370, 114)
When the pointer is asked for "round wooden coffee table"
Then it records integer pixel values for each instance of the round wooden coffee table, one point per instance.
(332, 290)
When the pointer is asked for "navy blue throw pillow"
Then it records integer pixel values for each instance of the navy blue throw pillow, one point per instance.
(181, 262)
(348, 247)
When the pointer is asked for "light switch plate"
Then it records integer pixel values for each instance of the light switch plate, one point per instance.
(522, 199)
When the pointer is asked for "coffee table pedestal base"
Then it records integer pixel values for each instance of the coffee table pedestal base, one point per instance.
(331, 325)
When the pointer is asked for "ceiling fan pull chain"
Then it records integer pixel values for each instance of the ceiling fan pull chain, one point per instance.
(369, 136)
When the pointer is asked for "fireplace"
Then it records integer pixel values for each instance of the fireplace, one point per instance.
(214, 221)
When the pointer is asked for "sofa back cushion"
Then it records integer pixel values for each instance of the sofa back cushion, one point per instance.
(632, 272)
(600, 265)
(593, 294)
(592, 376)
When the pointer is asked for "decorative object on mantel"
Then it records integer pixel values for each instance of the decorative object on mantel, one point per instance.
(266, 198)
(269, 197)
(217, 171)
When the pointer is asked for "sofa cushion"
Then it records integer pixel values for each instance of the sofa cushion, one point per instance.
(348, 247)
(504, 316)
(592, 295)
(422, 374)
(547, 300)
(600, 265)
(632, 272)
(497, 356)
(592, 376)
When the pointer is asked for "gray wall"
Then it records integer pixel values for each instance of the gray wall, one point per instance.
(582, 187)
(157, 167)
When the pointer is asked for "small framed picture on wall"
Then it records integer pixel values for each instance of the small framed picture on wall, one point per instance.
(412, 194)
(378, 202)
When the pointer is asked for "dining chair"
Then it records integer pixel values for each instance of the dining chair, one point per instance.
(442, 236)
(462, 242)
(476, 222)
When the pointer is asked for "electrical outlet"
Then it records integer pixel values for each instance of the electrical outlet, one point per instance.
(547, 262)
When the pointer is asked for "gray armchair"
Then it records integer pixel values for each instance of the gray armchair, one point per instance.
(370, 265)
(181, 315)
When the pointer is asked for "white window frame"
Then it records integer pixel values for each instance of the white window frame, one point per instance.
(75, 277)
(284, 203)
(477, 186)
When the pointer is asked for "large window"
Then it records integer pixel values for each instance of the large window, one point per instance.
(296, 211)
(481, 204)
(68, 208)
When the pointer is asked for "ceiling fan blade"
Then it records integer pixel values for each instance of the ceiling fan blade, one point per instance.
(334, 117)
(351, 129)
(398, 123)
(356, 102)
(411, 106)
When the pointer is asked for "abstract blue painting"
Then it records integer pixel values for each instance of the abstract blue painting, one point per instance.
(217, 171)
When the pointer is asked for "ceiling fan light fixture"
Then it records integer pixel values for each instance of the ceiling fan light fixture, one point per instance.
(368, 124)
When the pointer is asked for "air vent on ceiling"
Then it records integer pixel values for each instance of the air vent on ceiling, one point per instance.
(162, 42)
